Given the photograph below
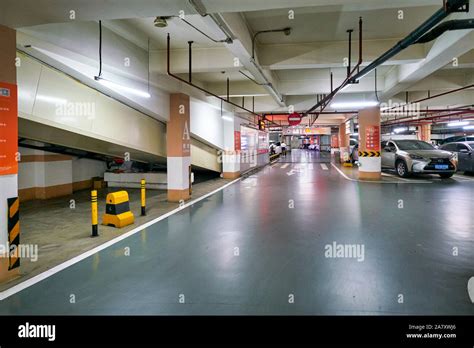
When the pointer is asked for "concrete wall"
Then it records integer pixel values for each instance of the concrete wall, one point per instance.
(44, 175)
(207, 123)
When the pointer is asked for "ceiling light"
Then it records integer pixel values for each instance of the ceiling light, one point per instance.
(400, 129)
(160, 22)
(121, 88)
(227, 118)
(52, 100)
(468, 127)
(351, 105)
(458, 124)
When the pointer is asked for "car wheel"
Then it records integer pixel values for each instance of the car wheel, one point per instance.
(402, 169)
(446, 176)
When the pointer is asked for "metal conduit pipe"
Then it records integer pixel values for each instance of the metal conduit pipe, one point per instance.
(413, 37)
(459, 24)
(429, 98)
(327, 99)
(469, 114)
(168, 69)
(200, 8)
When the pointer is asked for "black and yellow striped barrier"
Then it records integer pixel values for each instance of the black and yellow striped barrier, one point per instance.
(275, 156)
(117, 210)
(143, 196)
(369, 153)
(95, 214)
(13, 232)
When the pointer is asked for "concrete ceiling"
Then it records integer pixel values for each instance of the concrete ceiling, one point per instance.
(299, 65)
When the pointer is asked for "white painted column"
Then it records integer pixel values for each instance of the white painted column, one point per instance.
(178, 140)
(231, 155)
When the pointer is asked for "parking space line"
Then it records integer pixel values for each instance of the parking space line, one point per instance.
(324, 166)
(284, 165)
(378, 182)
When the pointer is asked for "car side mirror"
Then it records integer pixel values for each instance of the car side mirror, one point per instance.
(387, 149)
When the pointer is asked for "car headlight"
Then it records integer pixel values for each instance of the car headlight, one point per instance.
(416, 157)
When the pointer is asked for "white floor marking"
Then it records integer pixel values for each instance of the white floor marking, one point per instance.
(36, 279)
(285, 165)
(324, 166)
(470, 289)
(378, 182)
(397, 177)
(462, 178)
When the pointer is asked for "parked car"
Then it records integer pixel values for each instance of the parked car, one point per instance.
(313, 147)
(464, 151)
(457, 139)
(416, 156)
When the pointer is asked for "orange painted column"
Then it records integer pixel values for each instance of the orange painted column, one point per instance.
(370, 164)
(9, 203)
(424, 132)
(344, 141)
(178, 143)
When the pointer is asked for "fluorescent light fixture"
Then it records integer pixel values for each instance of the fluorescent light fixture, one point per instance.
(350, 105)
(121, 88)
(458, 124)
(400, 129)
(227, 118)
(52, 100)
(468, 127)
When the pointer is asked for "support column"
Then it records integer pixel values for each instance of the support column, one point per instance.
(343, 143)
(231, 154)
(369, 144)
(9, 223)
(178, 142)
(424, 132)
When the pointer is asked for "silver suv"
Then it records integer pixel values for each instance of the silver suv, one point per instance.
(416, 156)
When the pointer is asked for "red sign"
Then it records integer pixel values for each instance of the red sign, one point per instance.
(372, 138)
(8, 129)
(237, 144)
(294, 119)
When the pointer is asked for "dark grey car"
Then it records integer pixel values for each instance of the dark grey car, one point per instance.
(464, 151)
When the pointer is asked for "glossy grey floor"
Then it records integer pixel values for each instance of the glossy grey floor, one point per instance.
(256, 245)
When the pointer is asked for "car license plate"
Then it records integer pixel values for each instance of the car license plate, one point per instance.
(441, 166)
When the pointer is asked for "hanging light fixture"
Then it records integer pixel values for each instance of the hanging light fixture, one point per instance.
(111, 84)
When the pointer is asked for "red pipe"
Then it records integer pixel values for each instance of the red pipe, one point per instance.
(198, 87)
(431, 97)
(431, 118)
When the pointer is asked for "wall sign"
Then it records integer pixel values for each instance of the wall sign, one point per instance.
(237, 144)
(8, 129)
(372, 138)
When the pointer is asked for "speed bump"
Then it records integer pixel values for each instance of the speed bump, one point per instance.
(117, 210)
(369, 153)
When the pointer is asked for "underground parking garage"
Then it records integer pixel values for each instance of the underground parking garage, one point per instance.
(271, 165)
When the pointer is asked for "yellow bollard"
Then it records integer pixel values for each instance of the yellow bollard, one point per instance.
(95, 214)
(143, 195)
